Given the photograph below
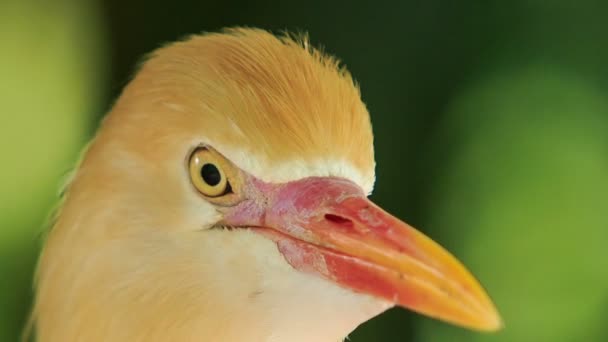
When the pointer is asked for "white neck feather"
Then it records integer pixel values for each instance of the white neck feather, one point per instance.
(211, 285)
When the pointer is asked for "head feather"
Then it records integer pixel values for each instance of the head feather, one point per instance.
(249, 92)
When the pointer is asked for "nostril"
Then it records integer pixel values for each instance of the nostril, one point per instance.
(343, 221)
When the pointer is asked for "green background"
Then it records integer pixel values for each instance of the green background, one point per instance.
(490, 121)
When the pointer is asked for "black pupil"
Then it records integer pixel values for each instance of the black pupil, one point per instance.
(211, 175)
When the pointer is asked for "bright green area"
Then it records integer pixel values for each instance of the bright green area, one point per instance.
(51, 67)
(523, 193)
(491, 124)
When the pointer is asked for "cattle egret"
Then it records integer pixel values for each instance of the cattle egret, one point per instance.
(224, 198)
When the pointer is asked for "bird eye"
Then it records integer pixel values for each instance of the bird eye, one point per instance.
(207, 174)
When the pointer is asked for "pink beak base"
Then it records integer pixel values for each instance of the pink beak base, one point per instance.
(327, 227)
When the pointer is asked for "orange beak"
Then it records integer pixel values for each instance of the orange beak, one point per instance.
(326, 226)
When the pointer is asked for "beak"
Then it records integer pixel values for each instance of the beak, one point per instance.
(328, 227)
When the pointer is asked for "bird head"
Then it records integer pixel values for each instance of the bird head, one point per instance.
(224, 198)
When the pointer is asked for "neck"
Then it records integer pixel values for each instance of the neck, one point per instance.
(174, 287)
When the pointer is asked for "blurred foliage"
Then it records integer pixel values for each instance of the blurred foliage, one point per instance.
(523, 192)
(51, 65)
(490, 121)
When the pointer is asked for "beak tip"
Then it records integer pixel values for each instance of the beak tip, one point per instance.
(492, 322)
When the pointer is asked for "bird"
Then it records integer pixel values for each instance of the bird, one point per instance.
(224, 197)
